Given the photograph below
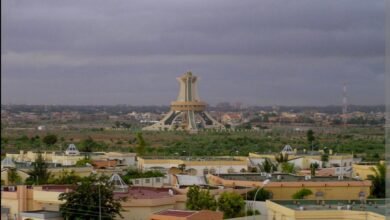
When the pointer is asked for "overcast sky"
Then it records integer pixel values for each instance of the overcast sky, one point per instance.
(275, 52)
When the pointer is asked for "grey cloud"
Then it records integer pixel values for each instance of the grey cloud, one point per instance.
(268, 52)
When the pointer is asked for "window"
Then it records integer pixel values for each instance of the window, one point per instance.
(147, 180)
(205, 171)
(157, 179)
(136, 181)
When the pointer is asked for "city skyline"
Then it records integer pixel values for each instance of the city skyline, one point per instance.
(259, 53)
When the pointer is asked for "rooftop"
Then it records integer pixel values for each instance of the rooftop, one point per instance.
(258, 177)
(176, 213)
(195, 158)
(145, 193)
(372, 205)
(133, 192)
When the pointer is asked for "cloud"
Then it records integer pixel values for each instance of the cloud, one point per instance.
(129, 52)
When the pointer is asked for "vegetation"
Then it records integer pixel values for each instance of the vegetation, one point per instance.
(66, 177)
(231, 204)
(301, 194)
(262, 195)
(83, 162)
(313, 168)
(141, 144)
(267, 166)
(50, 139)
(84, 201)
(378, 188)
(366, 142)
(13, 177)
(198, 199)
(88, 145)
(288, 168)
(310, 136)
(39, 174)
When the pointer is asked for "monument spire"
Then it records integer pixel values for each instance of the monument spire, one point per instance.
(188, 111)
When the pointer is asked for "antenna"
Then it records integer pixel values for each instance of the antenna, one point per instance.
(344, 103)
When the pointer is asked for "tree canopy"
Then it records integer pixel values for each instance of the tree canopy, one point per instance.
(231, 204)
(13, 177)
(262, 195)
(301, 194)
(198, 199)
(267, 166)
(39, 174)
(50, 139)
(84, 201)
(141, 144)
(378, 188)
(66, 177)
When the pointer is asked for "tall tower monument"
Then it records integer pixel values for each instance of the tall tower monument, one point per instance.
(188, 111)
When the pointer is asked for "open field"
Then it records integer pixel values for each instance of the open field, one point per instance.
(363, 141)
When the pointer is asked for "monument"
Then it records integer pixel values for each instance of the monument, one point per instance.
(188, 111)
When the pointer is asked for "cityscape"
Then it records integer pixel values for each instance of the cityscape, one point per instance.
(214, 144)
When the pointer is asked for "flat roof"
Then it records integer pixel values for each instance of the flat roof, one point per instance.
(138, 192)
(176, 213)
(135, 192)
(372, 205)
(283, 178)
(192, 158)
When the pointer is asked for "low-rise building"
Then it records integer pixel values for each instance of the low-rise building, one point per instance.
(363, 170)
(326, 209)
(302, 160)
(283, 186)
(198, 166)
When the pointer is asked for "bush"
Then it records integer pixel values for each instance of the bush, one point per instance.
(301, 194)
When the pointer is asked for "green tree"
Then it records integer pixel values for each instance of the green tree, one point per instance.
(262, 195)
(378, 180)
(88, 145)
(38, 174)
(198, 199)
(83, 162)
(310, 137)
(288, 168)
(84, 201)
(231, 204)
(302, 193)
(66, 177)
(313, 168)
(140, 150)
(267, 166)
(324, 159)
(13, 177)
(50, 139)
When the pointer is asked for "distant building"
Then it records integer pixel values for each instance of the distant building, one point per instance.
(232, 118)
